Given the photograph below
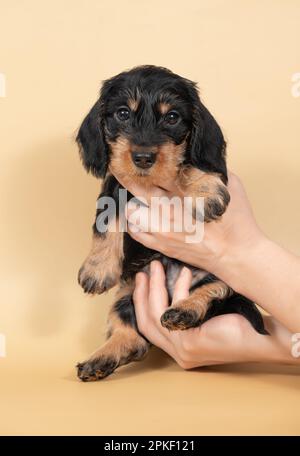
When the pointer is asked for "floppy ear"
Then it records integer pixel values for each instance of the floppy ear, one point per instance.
(207, 147)
(93, 148)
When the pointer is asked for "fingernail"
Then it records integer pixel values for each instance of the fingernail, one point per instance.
(185, 272)
(131, 205)
(138, 276)
(133, 228)
(152, 267)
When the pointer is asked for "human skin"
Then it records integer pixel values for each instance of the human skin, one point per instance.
(221, 340)
(236, 251)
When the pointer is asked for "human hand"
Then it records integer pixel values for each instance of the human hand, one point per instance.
(235, 233)
(236, 251)
(223, 339)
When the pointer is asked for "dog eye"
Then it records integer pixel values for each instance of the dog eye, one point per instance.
(123, 113)
(172, 117)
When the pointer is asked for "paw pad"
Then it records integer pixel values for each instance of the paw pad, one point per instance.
(179, 319)
(97, 369)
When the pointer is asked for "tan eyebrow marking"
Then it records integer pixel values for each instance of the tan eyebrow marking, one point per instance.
(164, 107)
(133, 104)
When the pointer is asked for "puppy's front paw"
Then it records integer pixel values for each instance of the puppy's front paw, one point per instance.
(117, 351)
(96, 369)
(176, 318)
(94, 280)
(215, 206)
(210, 186)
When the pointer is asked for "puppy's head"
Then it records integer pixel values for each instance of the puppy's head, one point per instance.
(146, 123)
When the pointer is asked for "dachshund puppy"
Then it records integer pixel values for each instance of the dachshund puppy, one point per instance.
(149, 126)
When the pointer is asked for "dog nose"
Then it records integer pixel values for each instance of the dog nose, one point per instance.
(143, 159)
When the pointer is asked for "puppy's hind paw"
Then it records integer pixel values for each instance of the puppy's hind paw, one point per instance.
(176, 318)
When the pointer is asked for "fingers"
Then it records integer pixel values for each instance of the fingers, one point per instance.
(150, 295)
(143, 226)
(144, 238)
(158, 295)
(182, 285)
(150, 298)
(141, 191)
(138, 217)
(138, 224)
(140, 299)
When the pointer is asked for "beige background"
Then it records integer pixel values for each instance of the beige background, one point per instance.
(55, 55)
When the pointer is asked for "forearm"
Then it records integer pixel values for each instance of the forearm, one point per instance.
(221, 340)
(243, 345)
(267, 274)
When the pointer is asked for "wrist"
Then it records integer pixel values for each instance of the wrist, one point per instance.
(233, 261)
(275, 348)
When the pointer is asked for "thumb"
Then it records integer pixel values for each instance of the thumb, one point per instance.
(183, 284)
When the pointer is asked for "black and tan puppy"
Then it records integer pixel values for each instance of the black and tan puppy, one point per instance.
(150, 126)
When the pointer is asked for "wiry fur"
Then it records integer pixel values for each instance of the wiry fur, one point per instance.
(192, 152)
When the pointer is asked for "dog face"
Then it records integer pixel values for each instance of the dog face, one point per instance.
(147, 122)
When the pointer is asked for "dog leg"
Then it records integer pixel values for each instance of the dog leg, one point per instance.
(196, 183)
(189, 312)
(102, 268)
(123, 345)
